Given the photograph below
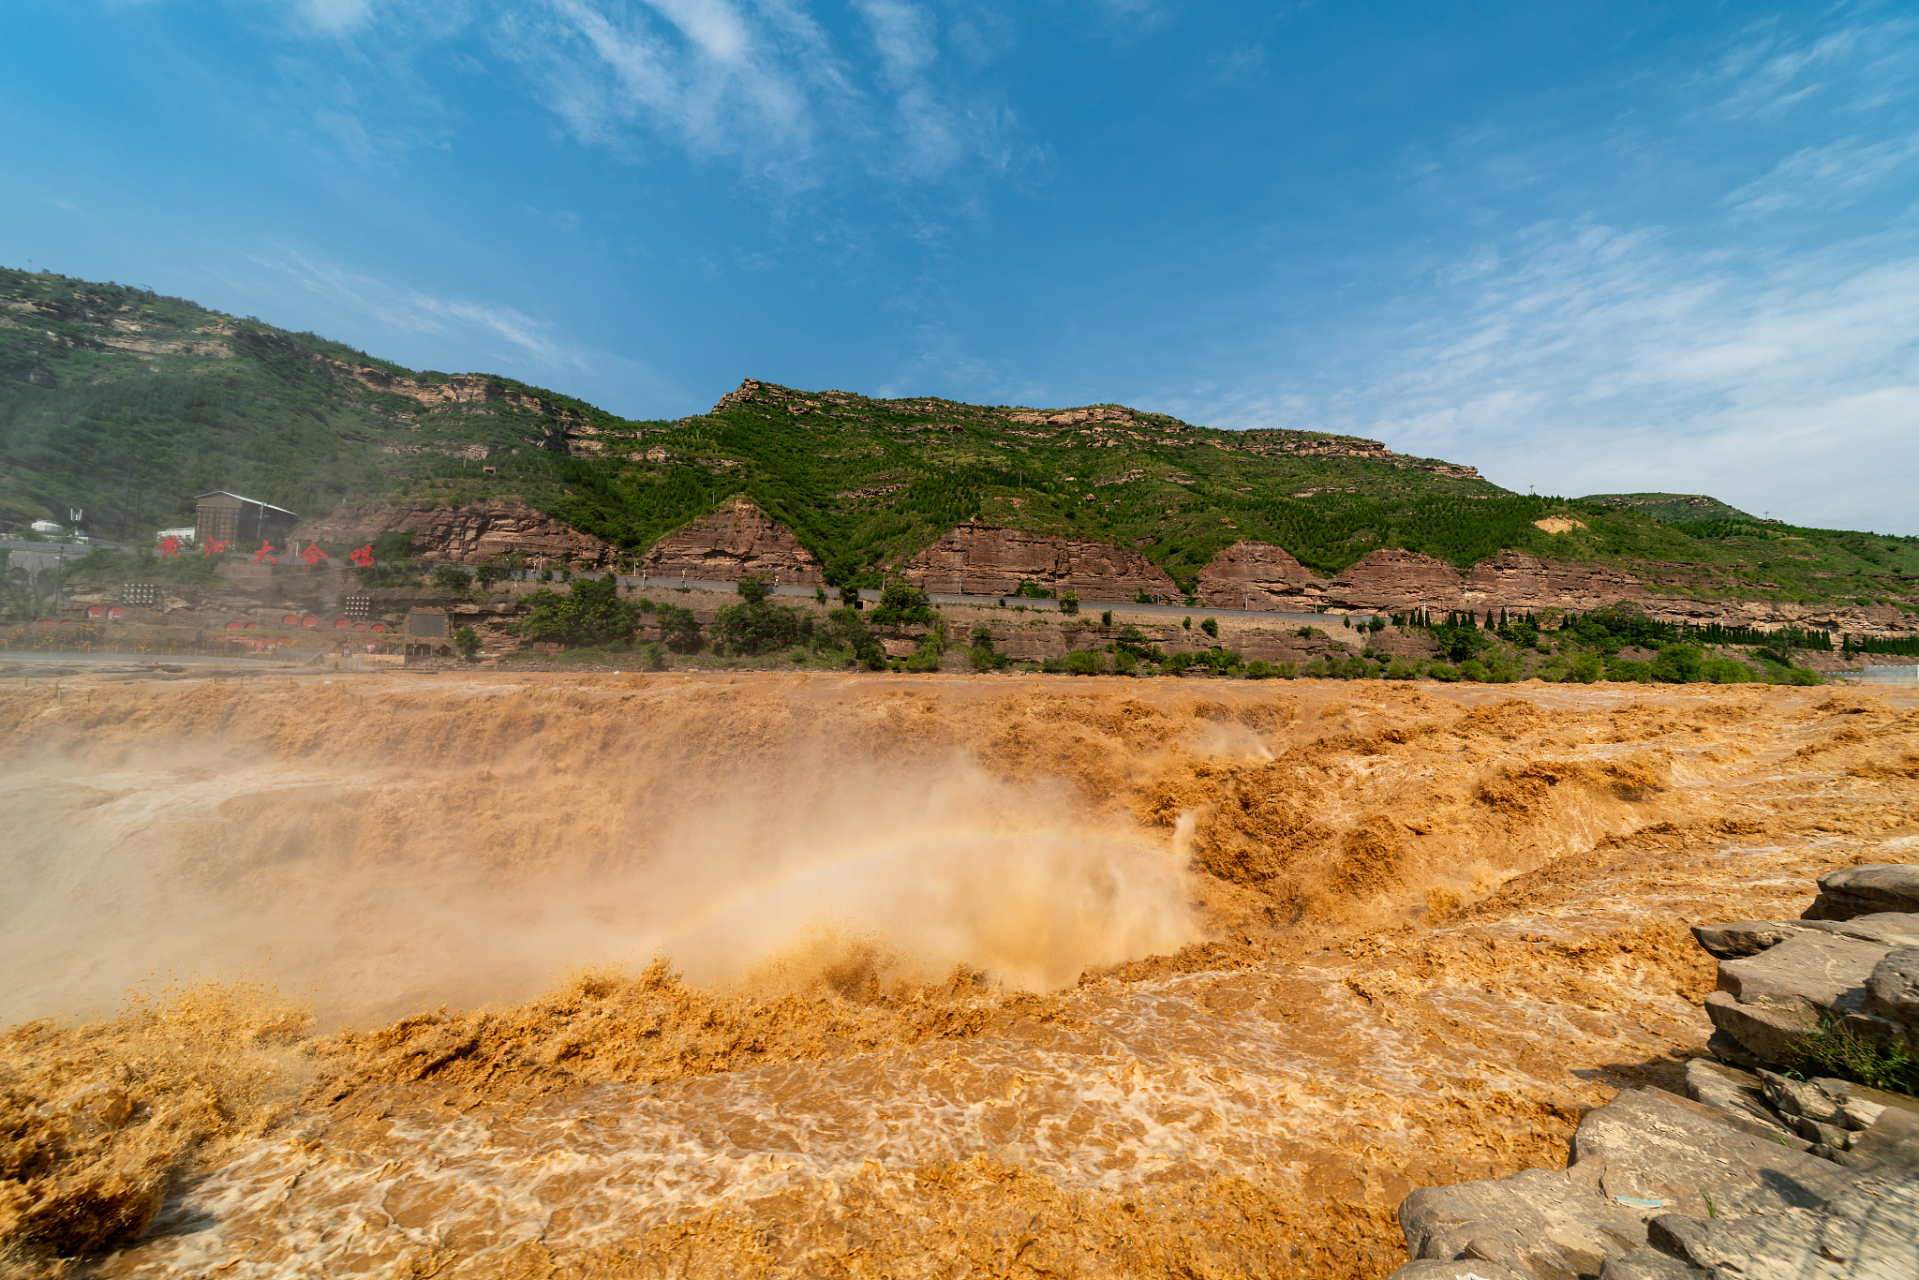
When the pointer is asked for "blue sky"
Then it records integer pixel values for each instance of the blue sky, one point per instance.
(1584, 246)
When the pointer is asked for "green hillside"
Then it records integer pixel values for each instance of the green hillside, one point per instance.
(128, 404)
(1671, 507)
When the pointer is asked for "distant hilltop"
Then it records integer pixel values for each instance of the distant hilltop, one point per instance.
(1673, 507)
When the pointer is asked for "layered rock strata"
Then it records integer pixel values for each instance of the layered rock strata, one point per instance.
(1756, 1173)
(736, 541)
(465, 535)
(988, 560)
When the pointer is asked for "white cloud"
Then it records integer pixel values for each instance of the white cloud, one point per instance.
(413, 312)
(1825, 177)
(1596, 360)
(334, 16)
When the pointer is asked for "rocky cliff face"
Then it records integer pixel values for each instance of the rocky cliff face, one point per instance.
(988, 560)
(468, 535)
(1258, 575)
(734, 542)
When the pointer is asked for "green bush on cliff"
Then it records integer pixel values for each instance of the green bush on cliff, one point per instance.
(1679, 664)
(591, 613)
(1726, 671)
(756, 625)
(679, 629)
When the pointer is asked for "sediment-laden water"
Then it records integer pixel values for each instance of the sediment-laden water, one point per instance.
(657, 975)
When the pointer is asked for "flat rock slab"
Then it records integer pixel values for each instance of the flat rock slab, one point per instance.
(1654, 1146)
(1738, 1094)
(1644, 1155)
(1461, 1269)
(1542, 1224)
(1742, 938)
(1869, 1233)
(1858, 891)
(1819, 969)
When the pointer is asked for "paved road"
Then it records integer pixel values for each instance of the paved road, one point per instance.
(1088, 607)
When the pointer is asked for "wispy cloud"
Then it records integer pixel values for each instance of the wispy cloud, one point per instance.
(1595, 359)
(1827, 177)
(410, 311)
(1775, 68)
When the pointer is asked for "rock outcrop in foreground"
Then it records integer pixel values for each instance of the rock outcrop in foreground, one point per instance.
(1757, 1174)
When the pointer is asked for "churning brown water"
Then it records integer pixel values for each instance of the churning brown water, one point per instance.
(636, 976)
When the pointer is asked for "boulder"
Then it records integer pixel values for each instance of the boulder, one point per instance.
(1537, 1222)
(1864, 890)
(1740, 1095)
(1892, 988)
(1770, 1002)
(1868, 1232)
(1643, 1155)
(1743, 938)
(1655, 1146)
(1650, 1264)
(1467, 1269)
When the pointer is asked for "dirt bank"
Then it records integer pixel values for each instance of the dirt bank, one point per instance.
(866, 976)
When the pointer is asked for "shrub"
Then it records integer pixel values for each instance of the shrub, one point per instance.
(1400, 669)
(1443, 672)
(1124, 662)
(927, 656)
(1678, 664)
(467, 641)
(1456, 644)
(1106, 618)
(1210, 626)
(392, 545)
(900, 603)
(451, 577)
(751, 589)
(1069, 602)
(1836, 1049)
(591, 613)
(491, 570)
(1585, 668)
(1726, 671)
(1084, 662)
(756, 626)
(679, 630)
(1133, 641)
(845, 629)
(1475, 670)
(983, 659)
(653, 656)
(1627, 671)
(983, 637)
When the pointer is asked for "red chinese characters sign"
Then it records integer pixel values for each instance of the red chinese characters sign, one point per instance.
(213, 548)
(265, 554)
(313, 555)
(169, 548)
(362, 557)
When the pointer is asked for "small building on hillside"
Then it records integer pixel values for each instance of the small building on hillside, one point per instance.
(427, 635)
(227, 517)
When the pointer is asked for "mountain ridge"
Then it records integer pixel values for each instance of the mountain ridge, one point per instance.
(126, 404)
